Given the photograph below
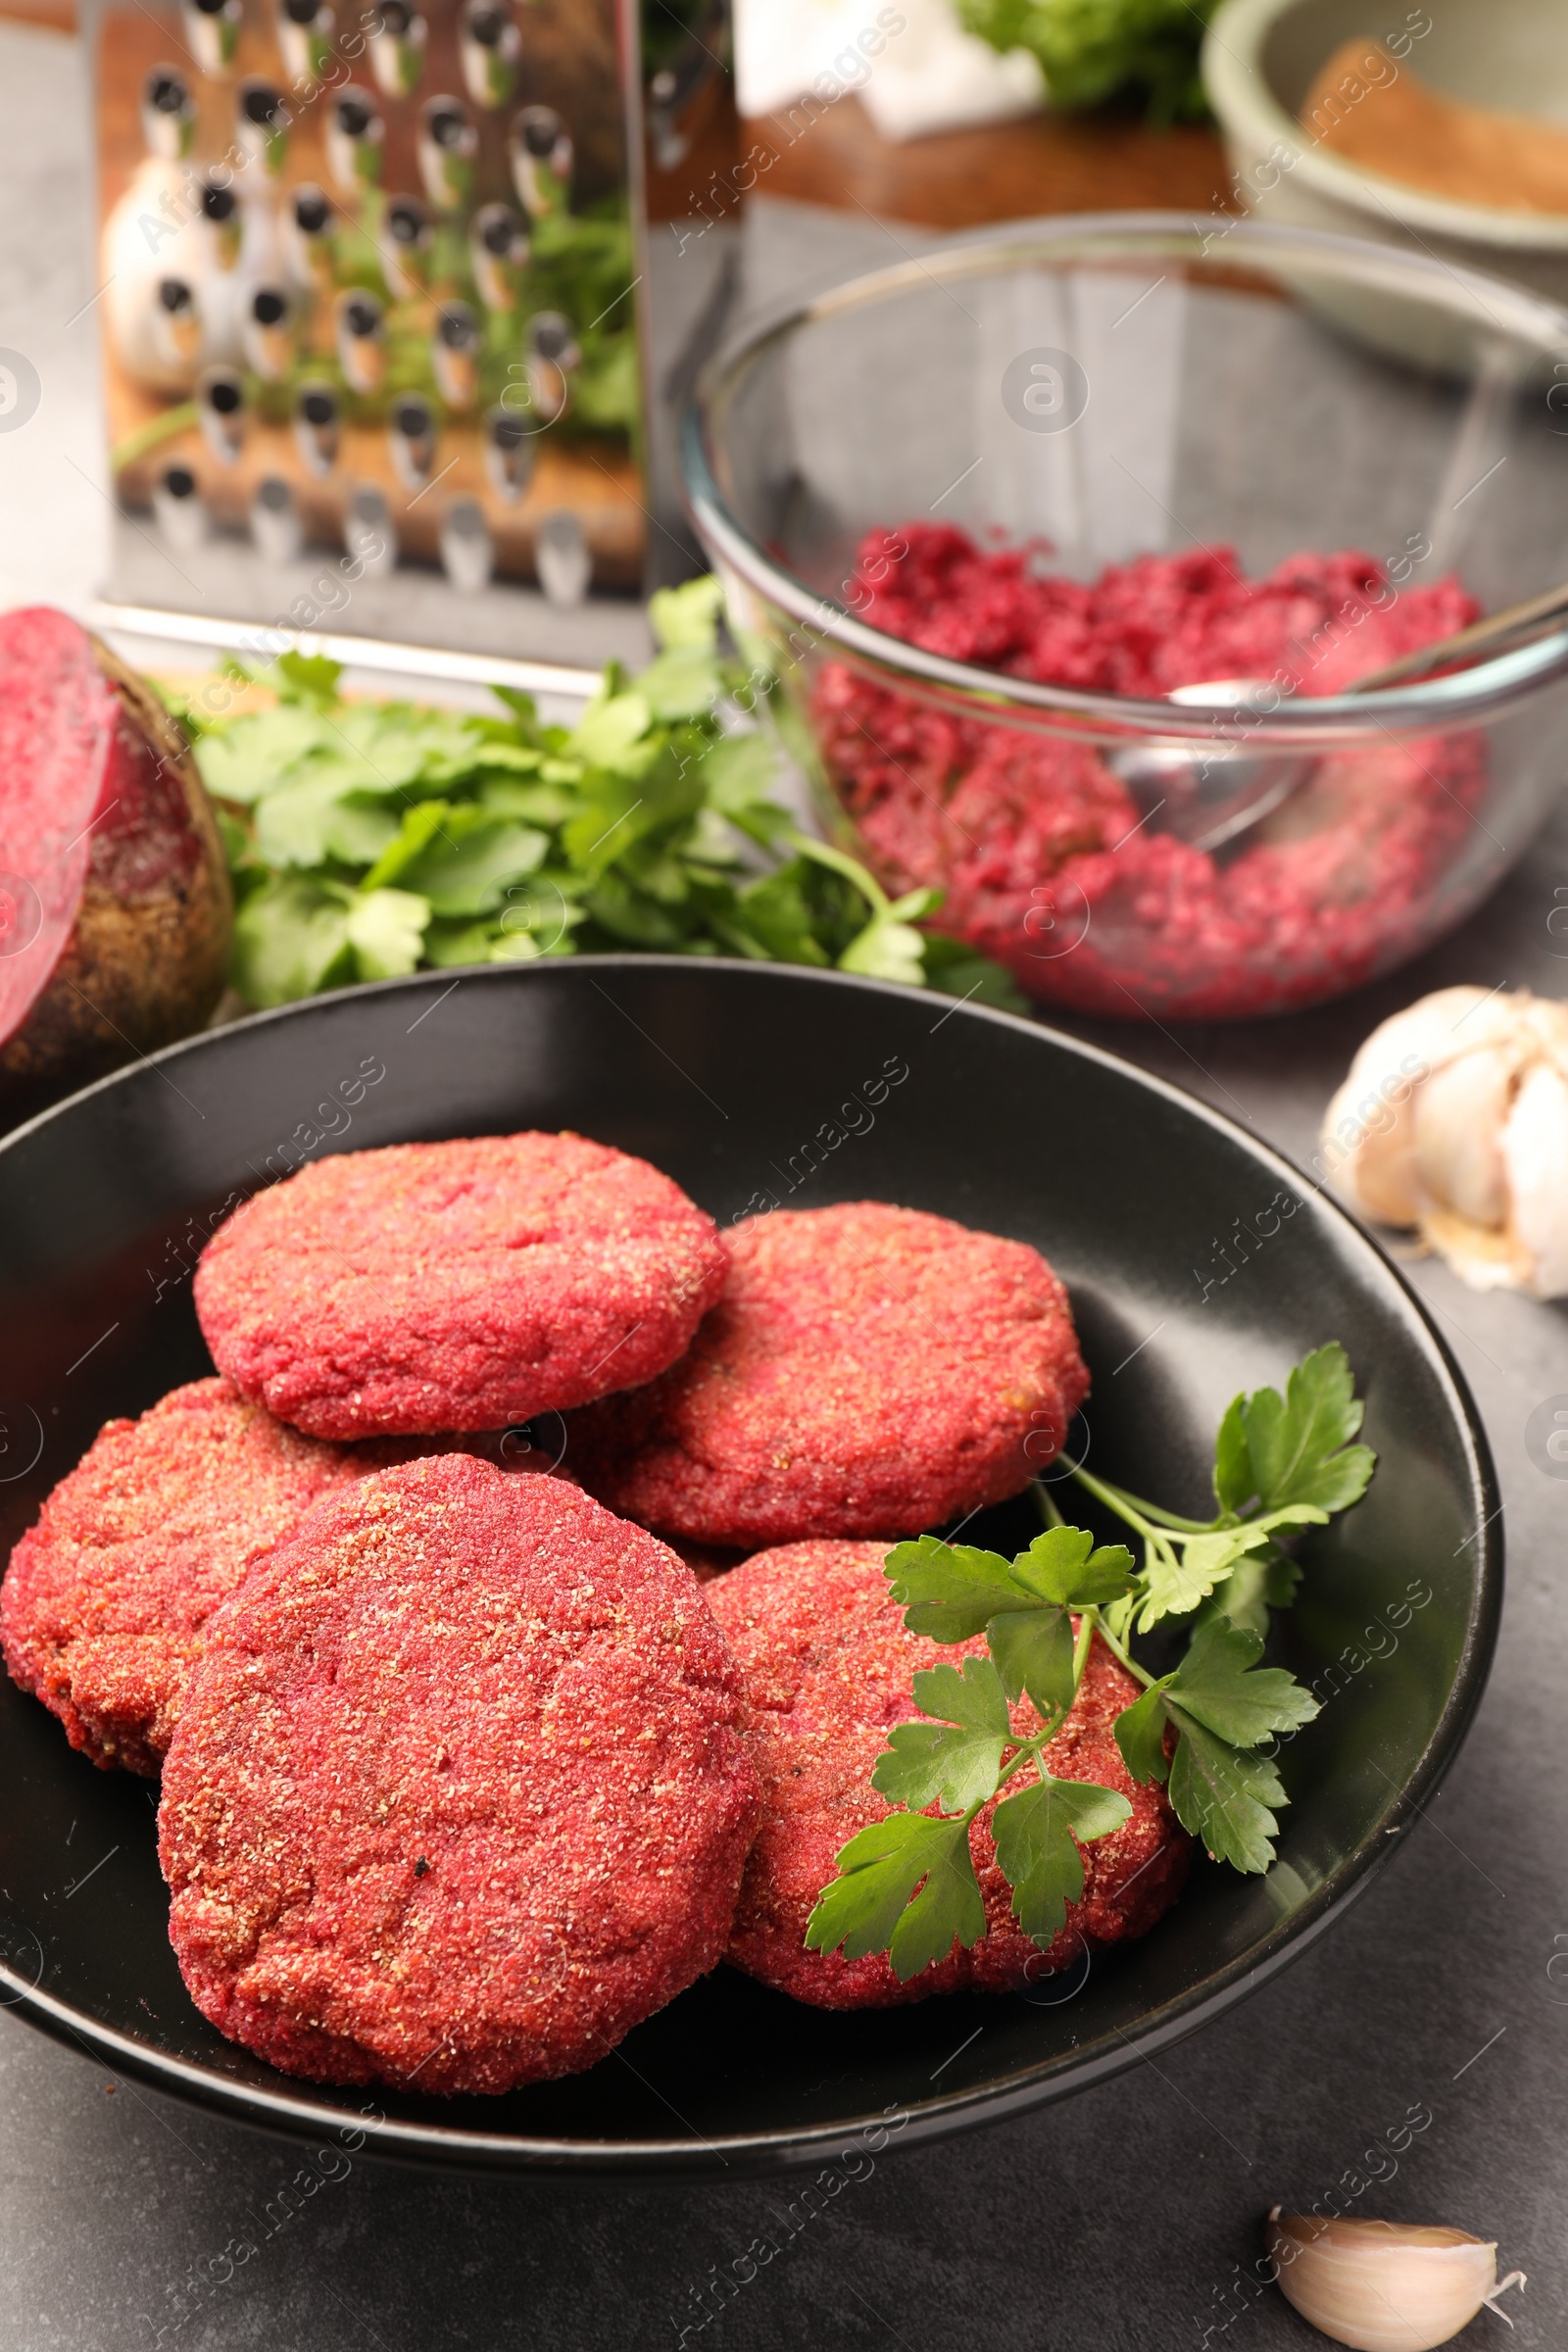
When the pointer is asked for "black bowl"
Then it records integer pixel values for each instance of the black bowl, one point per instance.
(1200, 1263)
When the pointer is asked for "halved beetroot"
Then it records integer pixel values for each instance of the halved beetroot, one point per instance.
(114, 904)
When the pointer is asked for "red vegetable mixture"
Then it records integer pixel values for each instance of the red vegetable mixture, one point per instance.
(1036, 843)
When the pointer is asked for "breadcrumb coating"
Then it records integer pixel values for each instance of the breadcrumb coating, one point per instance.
(456, 1285)
(868, 1371)
(104, 1603)
(458, 1795)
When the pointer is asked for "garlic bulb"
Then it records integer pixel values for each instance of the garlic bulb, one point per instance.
(1454, 1119)
(1383, 2286)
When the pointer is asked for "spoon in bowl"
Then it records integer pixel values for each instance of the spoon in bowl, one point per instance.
(1207, 795)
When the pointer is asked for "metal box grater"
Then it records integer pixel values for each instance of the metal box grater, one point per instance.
(381, 340)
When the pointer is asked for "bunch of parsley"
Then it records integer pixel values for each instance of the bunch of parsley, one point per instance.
(907, 1883)
(1092, 50)
(372, 839)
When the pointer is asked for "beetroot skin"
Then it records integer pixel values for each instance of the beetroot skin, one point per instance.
(115, 908)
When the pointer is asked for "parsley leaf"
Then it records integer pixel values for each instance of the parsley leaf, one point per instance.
(1273, 1451)
(955, 1759)
(312, 822)
(1092, 50)
(687, 615)
(1221, 1704)
(1223, 1793)
(1034, 1652)
(959, 972)
(524, 709)
(890, 948)
(473, 859)
(740, 772)
(1066, 1565)
(1141, 1734)
(950, 1904)
(886, 946)
(611, 727)
(681, 683)
(1038, 1855)
(1225, 1796)
(954, 1592)
(1234, 1485)
(949, 1590)
(1181, 1575)
(1263, 1582)
(254, 752)
(1281, 1462)
(1220, 1684)
(386, 931)
(867, 1908)
(291, 937)
(309, 678)
(775, 917)
(1185, 1569)
(421, 826)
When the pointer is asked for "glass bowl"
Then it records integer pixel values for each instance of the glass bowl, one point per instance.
(1205, 403)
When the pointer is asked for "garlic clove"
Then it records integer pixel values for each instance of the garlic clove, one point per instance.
(1547, 1022)
(1459, 1114)
(1382, 2286)
(1369, 1132)
(1485, 1257)
(1454, 1119)
(1369, 1153)
(1435, 1029)
(1534, 1157)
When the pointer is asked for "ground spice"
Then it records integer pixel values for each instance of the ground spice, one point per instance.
(1381, 118)
(1033, 841)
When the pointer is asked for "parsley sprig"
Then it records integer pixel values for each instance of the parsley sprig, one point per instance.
(372, 839)
(1280, 1462)
(907, 1883)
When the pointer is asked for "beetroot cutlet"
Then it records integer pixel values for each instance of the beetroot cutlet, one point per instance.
(103, 1605)
(826, 1665)
(458, 1794)
(454, 1286)
(869, 1371)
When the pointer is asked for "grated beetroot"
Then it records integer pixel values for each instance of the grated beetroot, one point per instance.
(1033, 840)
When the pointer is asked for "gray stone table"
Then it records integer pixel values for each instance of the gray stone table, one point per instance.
(1116, 2221)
